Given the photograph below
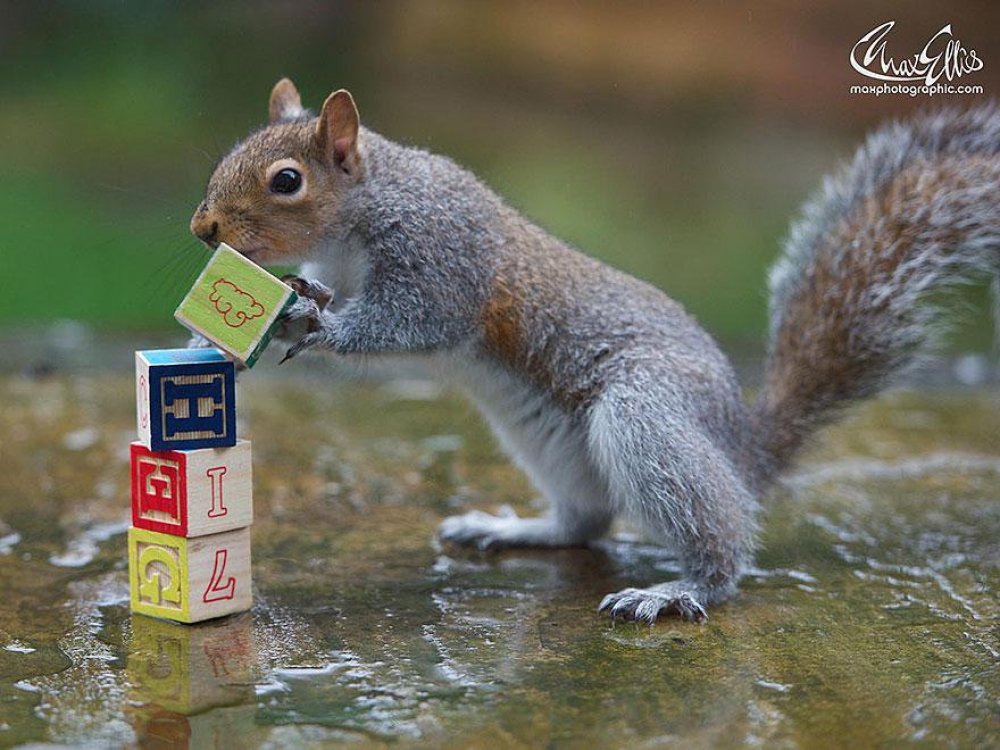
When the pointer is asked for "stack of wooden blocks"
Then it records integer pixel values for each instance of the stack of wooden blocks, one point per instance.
(192, 488)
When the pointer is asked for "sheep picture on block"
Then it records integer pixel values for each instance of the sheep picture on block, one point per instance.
(235, 304)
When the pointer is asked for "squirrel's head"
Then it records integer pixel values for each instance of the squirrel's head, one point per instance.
(276, 195)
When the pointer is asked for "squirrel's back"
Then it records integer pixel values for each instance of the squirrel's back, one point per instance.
(551, 314)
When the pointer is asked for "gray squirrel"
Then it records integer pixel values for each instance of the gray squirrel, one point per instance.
(604, 391)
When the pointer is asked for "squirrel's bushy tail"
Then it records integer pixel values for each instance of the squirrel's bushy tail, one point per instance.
(856, 295)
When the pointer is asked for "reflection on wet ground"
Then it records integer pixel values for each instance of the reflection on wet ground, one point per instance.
(873, 616)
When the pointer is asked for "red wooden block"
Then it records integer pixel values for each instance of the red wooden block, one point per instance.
(192, 493)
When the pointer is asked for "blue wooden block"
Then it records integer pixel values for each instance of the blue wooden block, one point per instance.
(185, 399)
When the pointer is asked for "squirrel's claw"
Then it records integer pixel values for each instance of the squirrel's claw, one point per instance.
(306, 342)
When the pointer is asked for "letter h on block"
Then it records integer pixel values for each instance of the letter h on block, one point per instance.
(192, 493)
(189, 580)
(185, 399)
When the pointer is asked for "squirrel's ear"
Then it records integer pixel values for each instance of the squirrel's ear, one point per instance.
(337, 131)
(285, 104)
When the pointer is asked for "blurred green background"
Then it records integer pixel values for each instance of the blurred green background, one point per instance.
(673, 139)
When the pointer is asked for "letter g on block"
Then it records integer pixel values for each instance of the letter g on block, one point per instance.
(159, 576)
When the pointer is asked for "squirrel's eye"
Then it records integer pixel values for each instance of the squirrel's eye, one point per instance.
(286, 181)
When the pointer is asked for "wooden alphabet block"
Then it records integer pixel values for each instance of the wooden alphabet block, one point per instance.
(235, 304)
(189, 580)
(192, 493)
(191, 669)
(185, 399)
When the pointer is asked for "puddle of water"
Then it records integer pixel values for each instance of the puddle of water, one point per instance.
(872, 617)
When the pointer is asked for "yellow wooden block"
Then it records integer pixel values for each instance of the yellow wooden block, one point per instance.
(189, 580)
(191, 669)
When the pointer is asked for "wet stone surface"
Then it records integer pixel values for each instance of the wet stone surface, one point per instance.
(874, 616)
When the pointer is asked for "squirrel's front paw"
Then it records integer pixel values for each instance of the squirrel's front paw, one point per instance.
(307, 325)
(197, 341)
(306, 313)
(317, 291)
(301, 318)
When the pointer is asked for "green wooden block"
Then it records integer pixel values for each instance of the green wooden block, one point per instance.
(235, 304)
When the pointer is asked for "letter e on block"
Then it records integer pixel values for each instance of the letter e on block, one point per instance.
(159, 496)
(192, 493)
(189, 580)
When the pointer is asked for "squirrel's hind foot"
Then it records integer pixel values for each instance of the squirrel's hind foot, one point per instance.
(504, 531)
(645, 605)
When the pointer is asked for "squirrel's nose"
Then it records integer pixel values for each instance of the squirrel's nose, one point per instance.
(209, 234)
(205, 229)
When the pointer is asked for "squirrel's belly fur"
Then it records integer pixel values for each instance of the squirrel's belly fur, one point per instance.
(609, 396)
(548, 444)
